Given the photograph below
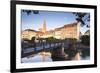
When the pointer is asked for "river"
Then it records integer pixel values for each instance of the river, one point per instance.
(43, 57)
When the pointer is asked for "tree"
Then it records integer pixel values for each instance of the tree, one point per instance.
(28, 12)
(33, 39)
(85, 40)
(84, 18)
(50, 39)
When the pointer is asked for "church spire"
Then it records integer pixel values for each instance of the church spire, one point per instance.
(44, 26)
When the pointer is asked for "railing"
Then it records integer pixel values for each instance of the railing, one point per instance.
(38, 47)
(42, 46)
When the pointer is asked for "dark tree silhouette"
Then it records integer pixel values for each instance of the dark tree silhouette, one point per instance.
(83, 18)
(33, 39)
(28, 12)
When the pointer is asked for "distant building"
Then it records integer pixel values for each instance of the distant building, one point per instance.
(48, 34)
(28, 34)
(43, 29)
(44, 26)
(58, 33)
(67, 31)
(87, 32)
(40, 29)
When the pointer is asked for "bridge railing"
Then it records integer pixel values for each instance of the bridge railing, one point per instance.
(43, 46)
(40, 46)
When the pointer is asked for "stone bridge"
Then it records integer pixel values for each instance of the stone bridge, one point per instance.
(57, 49)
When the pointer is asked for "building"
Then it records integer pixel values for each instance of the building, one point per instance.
(57, 33)
(67, 31)
(71, 31)
(43, 29)
(28, 34)
(87, 32)
(48, 34)
(44, 26)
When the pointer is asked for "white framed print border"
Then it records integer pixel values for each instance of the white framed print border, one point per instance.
(26, 7)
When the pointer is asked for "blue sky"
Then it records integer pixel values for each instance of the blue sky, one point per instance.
(53, 20)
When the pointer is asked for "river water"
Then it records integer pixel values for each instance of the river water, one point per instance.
(40, 57)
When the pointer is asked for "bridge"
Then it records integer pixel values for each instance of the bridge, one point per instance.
(43, 46)
(55, 47)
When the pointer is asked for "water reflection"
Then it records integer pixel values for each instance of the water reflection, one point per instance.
(46, 57)
(40, 57)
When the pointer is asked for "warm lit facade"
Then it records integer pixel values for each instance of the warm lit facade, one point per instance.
(28, 34)
(67, 31)
(44, 27)
(70, 31)
(48, 34)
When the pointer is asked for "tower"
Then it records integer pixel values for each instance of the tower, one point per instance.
(44, 26)
(40, 28)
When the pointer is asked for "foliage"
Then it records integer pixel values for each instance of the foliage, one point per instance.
(85, 39)
(33, 39)
(83, 18)
(50, 39)
(28, 12)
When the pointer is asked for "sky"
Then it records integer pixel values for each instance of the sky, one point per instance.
(53, 20)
